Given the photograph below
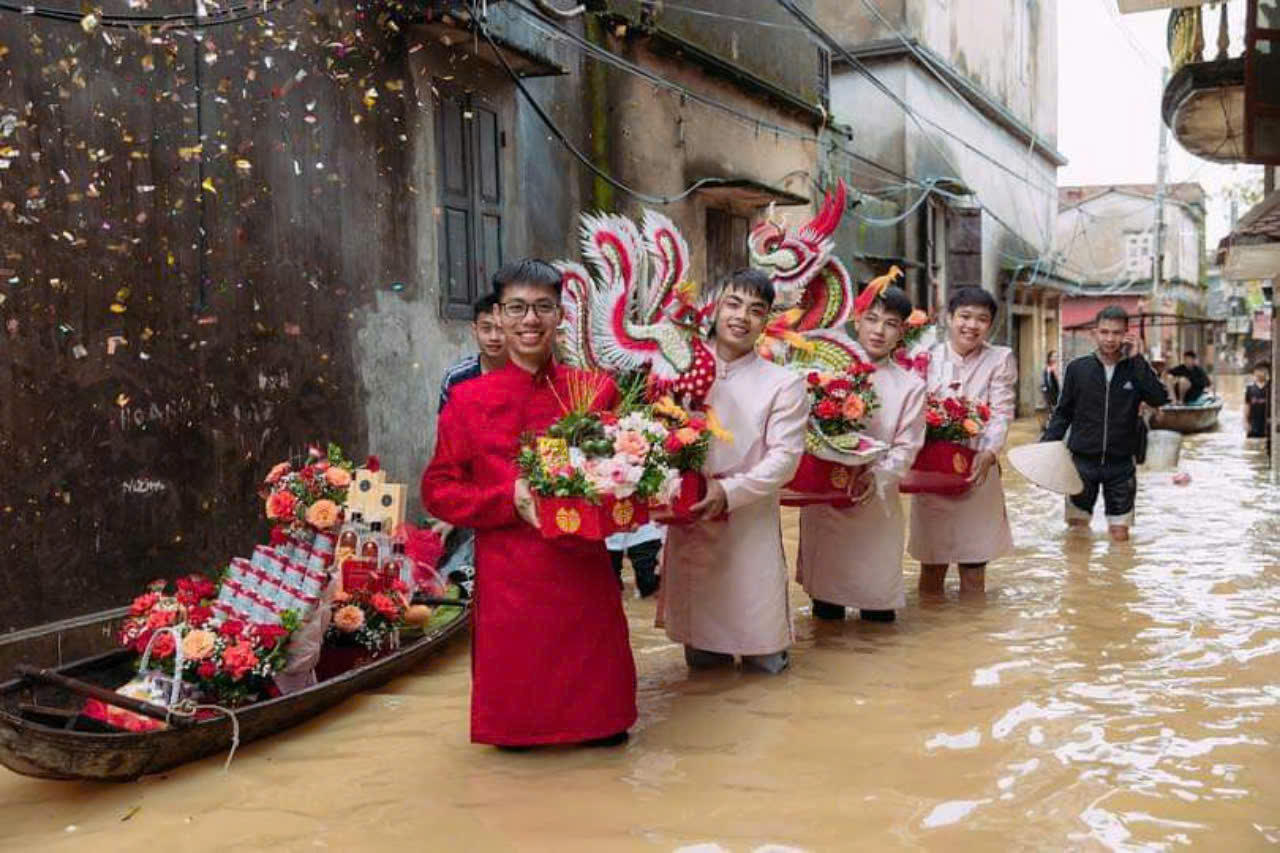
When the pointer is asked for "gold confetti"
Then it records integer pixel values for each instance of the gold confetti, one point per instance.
(208, 185)
(122, 295)
(148, 63)
(117, 308)
(89, 23)
(122, 400)
(191, 152)
(243, 165)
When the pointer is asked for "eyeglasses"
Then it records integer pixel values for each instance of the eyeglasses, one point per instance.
(517, 310)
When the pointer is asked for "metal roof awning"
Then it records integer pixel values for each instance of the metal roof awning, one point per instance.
(528, 53)
(1252, 250)
(747, 192)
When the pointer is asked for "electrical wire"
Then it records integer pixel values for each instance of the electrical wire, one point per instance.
(175, 21)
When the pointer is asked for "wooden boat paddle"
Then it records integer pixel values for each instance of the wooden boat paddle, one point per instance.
(84, 688)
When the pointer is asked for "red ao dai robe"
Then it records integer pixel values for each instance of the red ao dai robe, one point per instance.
(550, 654)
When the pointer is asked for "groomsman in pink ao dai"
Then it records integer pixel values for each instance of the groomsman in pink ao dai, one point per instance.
(724, 581)
(852, 557)
(970, 529)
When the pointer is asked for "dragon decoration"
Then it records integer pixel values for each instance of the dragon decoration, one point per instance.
(639, 312)
(630, 307)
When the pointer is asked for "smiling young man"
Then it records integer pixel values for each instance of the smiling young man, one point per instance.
(1101, 400)
(724, 581)
(852, 557)
(551, 657)
(971, 529)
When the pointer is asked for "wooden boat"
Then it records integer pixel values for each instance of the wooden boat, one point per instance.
(1188, 419)
(42, 734)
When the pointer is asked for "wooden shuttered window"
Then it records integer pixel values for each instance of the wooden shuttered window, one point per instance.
(469, 143)
(964, 248)
(726, 245)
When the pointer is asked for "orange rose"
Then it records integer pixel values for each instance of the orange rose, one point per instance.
(971, 426)
(323, 514)
(854, 408)
(686, 435)
(917, 318)
(281, 504)
(197, 645)
(349, 619)
(280, 469)
(337, 477)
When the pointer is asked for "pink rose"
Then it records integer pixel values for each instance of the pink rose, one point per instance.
(323, 514)
(631, 443)
(339, 478)
(349, 619)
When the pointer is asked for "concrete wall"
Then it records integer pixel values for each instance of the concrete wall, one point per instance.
(1007, 47)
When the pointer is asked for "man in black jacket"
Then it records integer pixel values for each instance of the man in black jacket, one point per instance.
(1100, 399)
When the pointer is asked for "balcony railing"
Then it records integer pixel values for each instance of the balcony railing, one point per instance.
(1187, 33)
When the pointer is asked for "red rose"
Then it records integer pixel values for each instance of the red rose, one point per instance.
(231, 628)
(828, 409)
(141, 639)
(309, 472)
(984, 411)
(385, 606)
(673, 443)
(162, 618)
(373, 463)
(839, 386)
(207, 669)
(143, 603)
(270, 635)
(697, 424)
(814, 378)
(954, 407)
(608, 418)
(932, 418)
(198, 615)
(278, 536)
(163, 646)
(238, 660)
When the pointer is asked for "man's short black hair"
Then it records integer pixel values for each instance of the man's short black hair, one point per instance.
(972, 297)
(484, 305)
(1190, 354)
(752, 282)
(895, 301)
(1112, 312)
(528, 271)
(1263, 365)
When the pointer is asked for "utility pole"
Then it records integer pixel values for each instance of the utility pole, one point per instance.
(1162, 171)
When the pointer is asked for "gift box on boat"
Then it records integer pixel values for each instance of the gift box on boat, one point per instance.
(941, 468)
(596, 521)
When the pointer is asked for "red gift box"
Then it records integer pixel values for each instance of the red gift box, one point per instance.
(941, 468)
(818, 481)
(595, 521)
(693, 488)
(358, 573)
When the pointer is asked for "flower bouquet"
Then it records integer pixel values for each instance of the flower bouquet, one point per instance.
(178, 634)
(841, 403)
(688, 440)
(309, 495)
(365, 624)
(952, 424)
(594, 473)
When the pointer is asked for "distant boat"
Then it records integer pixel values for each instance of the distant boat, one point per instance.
(1185, 419)
(43, 734)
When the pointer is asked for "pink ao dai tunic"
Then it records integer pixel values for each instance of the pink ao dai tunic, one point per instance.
(853, 556)
(973, 527)
(724, 583)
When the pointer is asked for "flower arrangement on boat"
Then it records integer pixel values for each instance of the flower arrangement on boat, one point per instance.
(310, 494)
(370, 615)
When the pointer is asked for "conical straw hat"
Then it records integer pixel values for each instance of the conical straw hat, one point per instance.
(1048, 465)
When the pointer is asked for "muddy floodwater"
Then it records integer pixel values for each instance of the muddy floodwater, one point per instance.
(1104, 696)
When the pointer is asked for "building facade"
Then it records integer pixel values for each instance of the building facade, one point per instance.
(1106, 237)
(961, 99)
